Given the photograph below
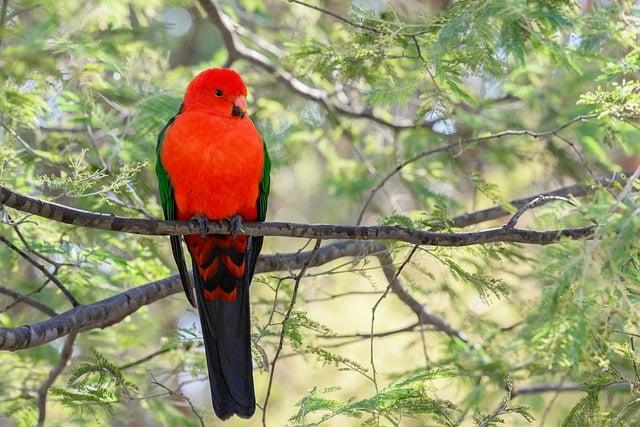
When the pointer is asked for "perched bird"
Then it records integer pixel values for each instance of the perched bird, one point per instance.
(213, 164)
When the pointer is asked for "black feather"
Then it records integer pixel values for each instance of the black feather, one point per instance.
(226, 331)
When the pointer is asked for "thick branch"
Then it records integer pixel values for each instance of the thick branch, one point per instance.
(114, 309)
(100, 221)
(81, 318)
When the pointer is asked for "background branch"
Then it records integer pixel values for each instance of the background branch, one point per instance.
(65, 355)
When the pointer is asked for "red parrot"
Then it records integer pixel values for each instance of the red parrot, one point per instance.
(212, 163)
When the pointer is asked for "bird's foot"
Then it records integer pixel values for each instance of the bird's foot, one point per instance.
(202, 224)
(236, 224)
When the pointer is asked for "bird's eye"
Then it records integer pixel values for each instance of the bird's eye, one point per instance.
(218, 92)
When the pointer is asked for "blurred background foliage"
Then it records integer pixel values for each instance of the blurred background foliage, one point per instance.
(86, 87)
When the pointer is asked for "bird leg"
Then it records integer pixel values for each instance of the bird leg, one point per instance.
(236, 224)
(202, 224)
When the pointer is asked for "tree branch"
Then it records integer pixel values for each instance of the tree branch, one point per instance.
(561, 388)
(78, 217)
(462, 143)
(424, 316)
(576, 190)
(74, 302)
(237, 50)
(114, 309)
(65, 355)
(18, 297)
(283, 330)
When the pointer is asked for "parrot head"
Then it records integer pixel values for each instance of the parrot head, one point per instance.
(220, 91)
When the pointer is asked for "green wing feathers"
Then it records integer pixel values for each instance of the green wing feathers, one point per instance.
(169, 209)
(265, 185)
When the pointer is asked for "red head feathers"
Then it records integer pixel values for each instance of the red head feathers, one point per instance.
(220, 91)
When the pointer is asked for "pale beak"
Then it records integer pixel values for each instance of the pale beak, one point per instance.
(239, 106)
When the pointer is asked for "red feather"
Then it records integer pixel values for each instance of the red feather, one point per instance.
(215, 163)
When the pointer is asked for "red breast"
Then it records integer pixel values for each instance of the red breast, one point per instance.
(215, 165)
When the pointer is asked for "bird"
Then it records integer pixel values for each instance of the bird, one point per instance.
(213, 164)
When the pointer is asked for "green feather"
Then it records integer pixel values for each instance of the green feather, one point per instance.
(166, 191)
(265, 185)
(169, 209)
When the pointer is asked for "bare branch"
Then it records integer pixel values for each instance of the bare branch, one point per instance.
(116, 308)
(100, 221)
(424, 316)
(336, 16)
(562, 388)
(576, 190)
(409, 328)
(393, 280)
(181, 396)
(97, 315)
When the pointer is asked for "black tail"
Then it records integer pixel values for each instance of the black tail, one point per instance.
(226, 331)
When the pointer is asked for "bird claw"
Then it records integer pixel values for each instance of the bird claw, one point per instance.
(236, 224)
(202, 224)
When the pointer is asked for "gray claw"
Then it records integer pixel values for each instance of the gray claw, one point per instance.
(202, 224)
(236, 225)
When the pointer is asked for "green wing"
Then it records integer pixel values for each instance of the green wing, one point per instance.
(255, 242)
(265, 185)
(169, 210)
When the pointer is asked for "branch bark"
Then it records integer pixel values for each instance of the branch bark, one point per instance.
(78, 217)
(114, 309)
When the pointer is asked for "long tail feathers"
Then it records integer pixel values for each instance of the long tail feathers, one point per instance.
(226, 332)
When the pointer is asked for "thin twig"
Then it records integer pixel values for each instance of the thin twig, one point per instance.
(373, 314)
(294, 295)
(17, 296)
(65, 355)
(540, 200)
(74, 302)
(409, 328)
(336, 16)
(550, 405)
(181, 396)
(465, 142)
